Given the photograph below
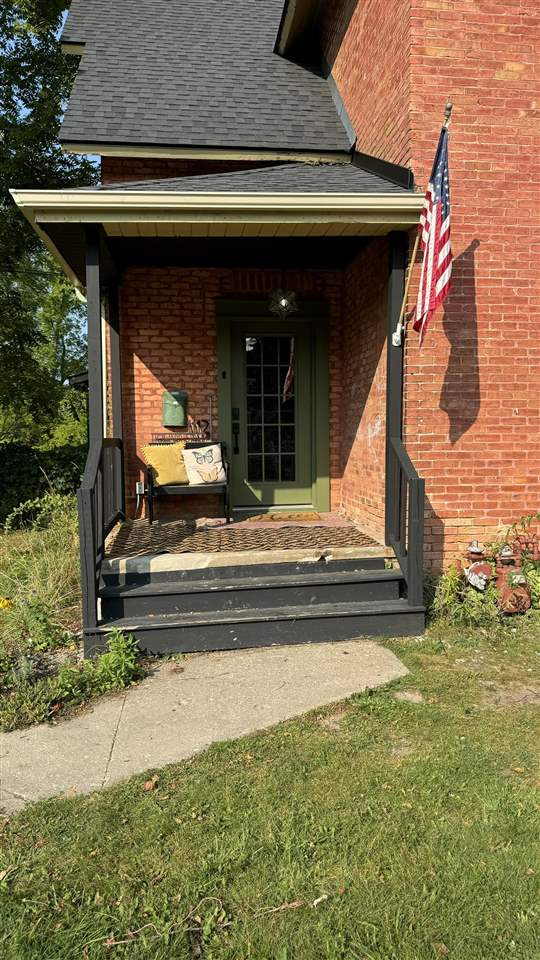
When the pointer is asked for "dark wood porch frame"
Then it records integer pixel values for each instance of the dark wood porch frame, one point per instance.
(404, 488)
(101, 495)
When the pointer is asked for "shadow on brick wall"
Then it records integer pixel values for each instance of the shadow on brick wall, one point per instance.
(433, 539)
(460, 393)
(341, 13)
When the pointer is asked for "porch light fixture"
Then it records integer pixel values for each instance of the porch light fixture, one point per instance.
(283, 303)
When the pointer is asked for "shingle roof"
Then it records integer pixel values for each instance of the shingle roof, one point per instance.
(198, 73)
(284, 178)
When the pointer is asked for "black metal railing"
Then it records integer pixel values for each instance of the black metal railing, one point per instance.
(405, 529)
(100, 500)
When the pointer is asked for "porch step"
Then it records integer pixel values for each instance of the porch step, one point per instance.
(253, 592)
(142, 570)
(238, 628)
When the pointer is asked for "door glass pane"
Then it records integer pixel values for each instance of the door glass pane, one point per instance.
(254, 410)
(270, 409)
(285, 348)
(287, 439)
(271, 439)
(287, 468)
(255, 468)
(287, 411)
(253, 347)
(271, 381)
(253, 380)
(255, 439)
(271, 468)
(270, 350)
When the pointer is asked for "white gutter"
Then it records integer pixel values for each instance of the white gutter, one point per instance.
(41, 204)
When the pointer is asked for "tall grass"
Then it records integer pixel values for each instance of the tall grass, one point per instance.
(41, 674)
(39, 577)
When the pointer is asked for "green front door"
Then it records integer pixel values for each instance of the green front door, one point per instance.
(271, 393)
(271, 422)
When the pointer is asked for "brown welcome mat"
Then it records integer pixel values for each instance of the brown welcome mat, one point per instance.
(137, 538)
(298, 517)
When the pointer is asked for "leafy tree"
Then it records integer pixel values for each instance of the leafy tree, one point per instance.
(40, 318)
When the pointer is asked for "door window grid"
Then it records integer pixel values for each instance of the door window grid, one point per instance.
(271, 426)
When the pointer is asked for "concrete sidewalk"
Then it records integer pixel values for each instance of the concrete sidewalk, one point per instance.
(181, 709)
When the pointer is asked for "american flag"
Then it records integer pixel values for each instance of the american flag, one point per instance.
(434, 230)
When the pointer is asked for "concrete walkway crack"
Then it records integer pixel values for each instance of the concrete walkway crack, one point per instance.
(18, 796)
(114, 736)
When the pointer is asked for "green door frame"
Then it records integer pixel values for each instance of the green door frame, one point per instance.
(316, 313)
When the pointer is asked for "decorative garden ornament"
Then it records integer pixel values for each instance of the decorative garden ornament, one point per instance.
(478, 575)
(475, 551)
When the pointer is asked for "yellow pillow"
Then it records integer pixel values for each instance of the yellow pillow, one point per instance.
(166, 461)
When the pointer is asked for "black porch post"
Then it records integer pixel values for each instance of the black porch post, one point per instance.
(113, 319)
(394, 373)
(95, 356)
(116, 380)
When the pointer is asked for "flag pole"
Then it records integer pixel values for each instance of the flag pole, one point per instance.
(399, 332)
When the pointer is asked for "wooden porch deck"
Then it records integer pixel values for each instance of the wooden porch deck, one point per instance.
(136, 538)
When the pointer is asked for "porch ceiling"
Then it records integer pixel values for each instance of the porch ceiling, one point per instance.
(164, 214)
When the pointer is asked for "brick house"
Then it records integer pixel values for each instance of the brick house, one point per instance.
(248, 148)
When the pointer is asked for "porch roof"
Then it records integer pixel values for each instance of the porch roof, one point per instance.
(294, 178)
(289, 201)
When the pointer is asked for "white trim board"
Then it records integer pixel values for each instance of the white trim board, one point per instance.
(203, 153)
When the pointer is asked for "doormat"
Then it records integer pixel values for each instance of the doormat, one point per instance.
(283, 517)
(138, 538)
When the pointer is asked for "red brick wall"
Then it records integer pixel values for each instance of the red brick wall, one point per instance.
(367, 46)
(123, 169)
(479, 449)
(363, 420)
(168, 339)
(472, 400)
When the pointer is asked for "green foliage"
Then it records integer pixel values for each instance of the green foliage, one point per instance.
(28, 703)
(42, 322)
(32, 702)
(532, 575)
(27, 473)
(449, 591)
(39, 575)
(523, 525)
(39, 583)
(38, 512)
(459, 602)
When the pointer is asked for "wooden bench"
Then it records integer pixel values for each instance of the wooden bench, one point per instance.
(154, 490)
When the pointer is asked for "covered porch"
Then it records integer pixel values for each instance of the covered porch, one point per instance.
(181, 277)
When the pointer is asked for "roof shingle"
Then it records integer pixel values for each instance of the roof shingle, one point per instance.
(283, 178)
(194, 73)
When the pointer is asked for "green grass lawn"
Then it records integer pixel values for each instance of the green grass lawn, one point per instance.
(382, 829)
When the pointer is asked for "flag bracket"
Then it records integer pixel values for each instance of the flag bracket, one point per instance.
(398, 334)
